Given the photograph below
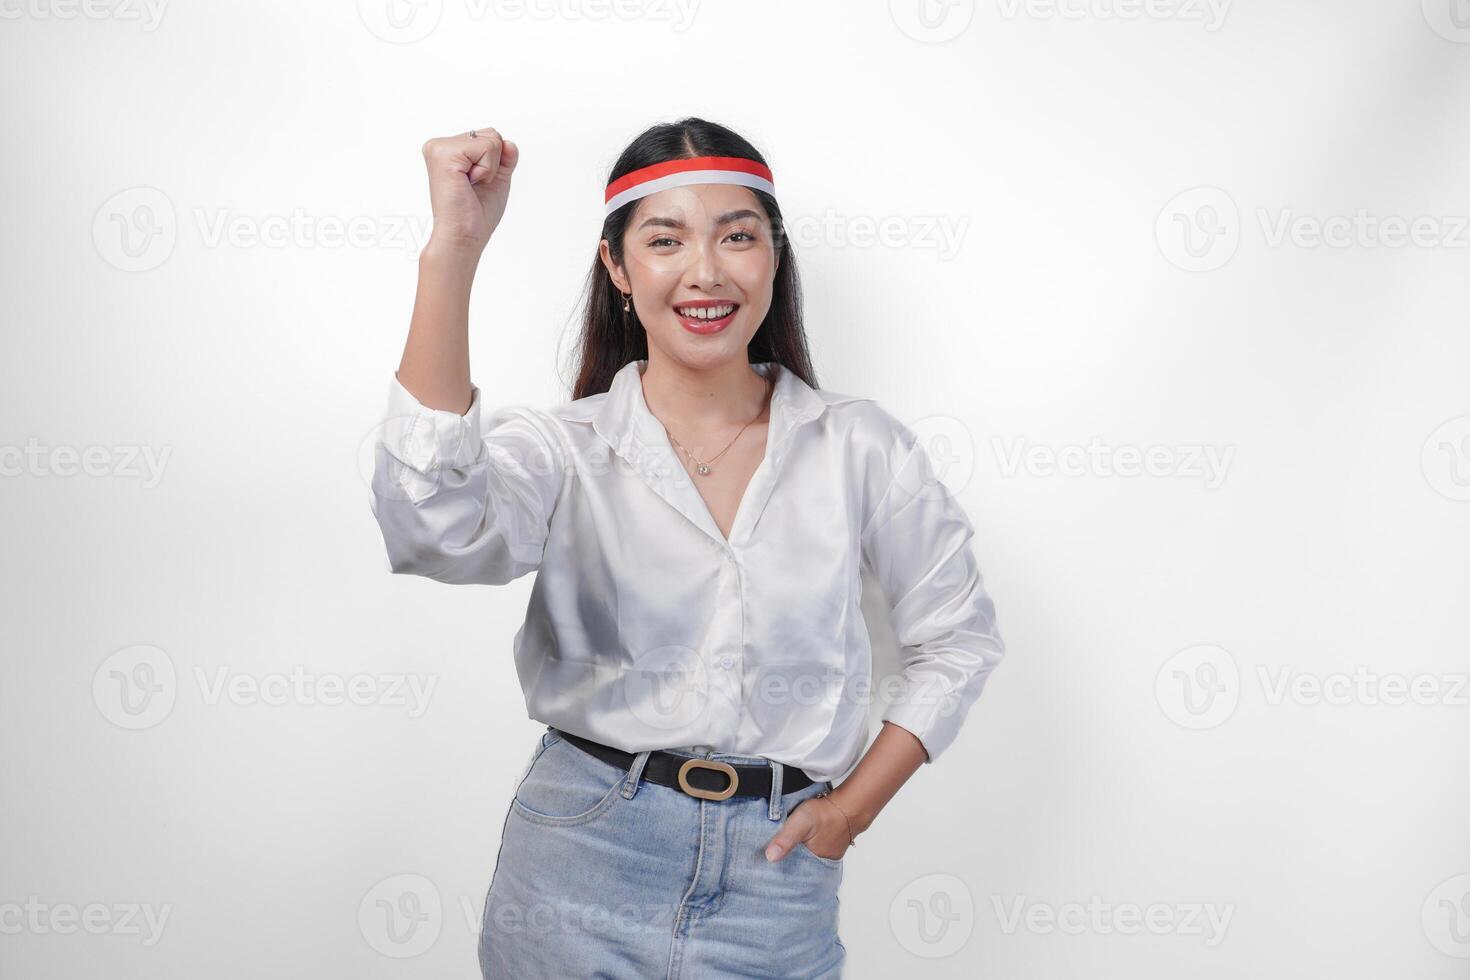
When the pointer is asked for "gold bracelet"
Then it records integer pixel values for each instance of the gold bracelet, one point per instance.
(827, 794)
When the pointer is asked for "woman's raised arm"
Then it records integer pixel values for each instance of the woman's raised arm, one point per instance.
(459, 498)
(469, 183)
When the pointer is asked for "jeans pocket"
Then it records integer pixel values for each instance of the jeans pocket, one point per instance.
(566, 786)
(801, 799)
(801, 848)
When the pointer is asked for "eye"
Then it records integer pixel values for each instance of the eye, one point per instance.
(657, 242)
(748, 235)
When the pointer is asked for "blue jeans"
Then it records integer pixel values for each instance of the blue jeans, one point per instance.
(603, 874)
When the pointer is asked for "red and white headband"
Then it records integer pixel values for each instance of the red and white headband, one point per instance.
(678, 173)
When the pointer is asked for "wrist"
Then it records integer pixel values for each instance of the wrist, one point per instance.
(439, 250)
(859, 814)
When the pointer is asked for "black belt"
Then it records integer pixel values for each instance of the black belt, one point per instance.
(708, 779)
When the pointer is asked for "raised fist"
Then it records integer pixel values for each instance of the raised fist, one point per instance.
(469, 182)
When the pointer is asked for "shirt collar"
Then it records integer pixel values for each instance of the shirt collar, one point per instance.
(624, 414)
(623, 420)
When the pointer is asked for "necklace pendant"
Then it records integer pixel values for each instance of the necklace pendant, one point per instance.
(704, 469)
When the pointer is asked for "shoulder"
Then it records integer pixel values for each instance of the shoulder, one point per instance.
(578, 409)
(866, 422)
(875, 444)
(565, 426)
(532, 424)
(550, 417)
(518, 415)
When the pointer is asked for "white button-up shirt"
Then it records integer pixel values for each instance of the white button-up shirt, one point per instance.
(646, 628)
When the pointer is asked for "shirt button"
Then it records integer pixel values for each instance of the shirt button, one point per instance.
(727, 661)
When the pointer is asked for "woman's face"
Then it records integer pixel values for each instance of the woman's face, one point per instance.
(689, 250)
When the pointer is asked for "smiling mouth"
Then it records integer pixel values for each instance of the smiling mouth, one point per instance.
(706, 318)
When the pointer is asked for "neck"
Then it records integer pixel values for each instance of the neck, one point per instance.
(732, 393)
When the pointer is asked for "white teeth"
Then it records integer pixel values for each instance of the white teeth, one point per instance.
(706, 313)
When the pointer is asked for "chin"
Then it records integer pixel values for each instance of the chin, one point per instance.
(706, 354)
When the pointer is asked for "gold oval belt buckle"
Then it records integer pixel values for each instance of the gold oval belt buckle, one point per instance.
(705, 794)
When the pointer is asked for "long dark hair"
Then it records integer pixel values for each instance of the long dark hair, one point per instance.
(611, 338)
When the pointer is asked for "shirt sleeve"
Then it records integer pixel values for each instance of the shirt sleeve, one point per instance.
(918, 544)
(461, 501)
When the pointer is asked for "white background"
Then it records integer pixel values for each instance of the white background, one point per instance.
(1135, 749)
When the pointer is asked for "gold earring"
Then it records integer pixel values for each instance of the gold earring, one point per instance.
(626, 302)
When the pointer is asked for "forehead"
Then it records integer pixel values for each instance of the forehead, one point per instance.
(696, 205)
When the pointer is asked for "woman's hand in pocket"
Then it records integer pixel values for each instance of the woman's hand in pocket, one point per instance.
(816, 824)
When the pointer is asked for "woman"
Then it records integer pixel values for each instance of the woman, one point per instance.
(697, 513)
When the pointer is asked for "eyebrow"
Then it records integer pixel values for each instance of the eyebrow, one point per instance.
(723, 219)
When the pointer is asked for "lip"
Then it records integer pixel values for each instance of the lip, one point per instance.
(694, 325)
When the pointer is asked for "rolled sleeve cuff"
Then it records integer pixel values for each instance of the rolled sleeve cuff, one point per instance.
(926, 710)
(427, 439)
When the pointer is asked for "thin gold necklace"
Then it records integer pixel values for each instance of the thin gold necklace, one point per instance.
(702, 466)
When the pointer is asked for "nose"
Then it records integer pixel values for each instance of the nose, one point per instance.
(705, 270)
